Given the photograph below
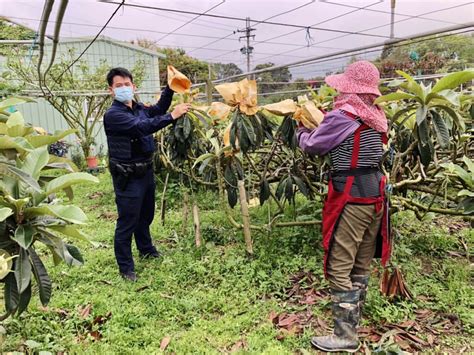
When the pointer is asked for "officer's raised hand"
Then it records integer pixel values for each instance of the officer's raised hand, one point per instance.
(180, 110)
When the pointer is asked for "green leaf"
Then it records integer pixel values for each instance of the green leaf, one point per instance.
(453, 80)
(5, 212)
(412, 86)
(14, 172)
(75, 255)
(25, 298)
(70, 231)
(469, 163)
(301, 186)
(72, 214)
(61, 163)
(421, 114)
(11, 295)
(22, 270)
(441, 130)
(202, 158)
(465, 192)
(14, 101)
(394, 96)
(44, 140)
(264, 191)
(67, 180)
(448, 96)
(289, 189)
(41, 276)
(231, 196)
(24, 235)
(35, 161)
(15, 119)
(18, 143)
(281, 188)
(458, 120)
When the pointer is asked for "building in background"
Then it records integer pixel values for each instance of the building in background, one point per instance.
(116, 54)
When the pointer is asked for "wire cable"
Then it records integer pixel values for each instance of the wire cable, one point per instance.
(92, 42)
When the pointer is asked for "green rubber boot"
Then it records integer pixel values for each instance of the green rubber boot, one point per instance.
(345, 310)
(361, 282)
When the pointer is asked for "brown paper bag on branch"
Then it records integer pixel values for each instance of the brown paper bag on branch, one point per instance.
(219, 111)
(242, 94)
(282, 108)
(309, 115)
(177, 81)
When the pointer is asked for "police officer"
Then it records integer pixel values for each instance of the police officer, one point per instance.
(129, 126)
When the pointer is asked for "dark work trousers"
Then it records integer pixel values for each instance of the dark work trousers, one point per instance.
(136, 209)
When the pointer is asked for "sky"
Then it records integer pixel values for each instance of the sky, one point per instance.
(325, 23)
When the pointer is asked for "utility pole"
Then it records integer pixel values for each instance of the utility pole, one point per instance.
(392, 19)
(247, 50)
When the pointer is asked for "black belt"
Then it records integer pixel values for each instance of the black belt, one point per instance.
(136, 169)
(354, 172)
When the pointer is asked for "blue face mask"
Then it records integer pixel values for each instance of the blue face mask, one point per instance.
(124, 94)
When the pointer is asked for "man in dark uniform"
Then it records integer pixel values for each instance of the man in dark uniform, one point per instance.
(129, 126)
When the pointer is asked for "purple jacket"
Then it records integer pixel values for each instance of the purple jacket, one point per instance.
(332, 131)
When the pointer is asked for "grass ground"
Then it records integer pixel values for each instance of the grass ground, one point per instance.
(217, 299)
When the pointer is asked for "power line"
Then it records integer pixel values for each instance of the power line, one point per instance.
(389, 12)
(160, 32)
(243, 19)
(191, 20)
(363, 48)
(316, 24)
(372, 28)
(273, 16)
(93, 40)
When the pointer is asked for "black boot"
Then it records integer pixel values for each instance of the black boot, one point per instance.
(345, 310)
(361, 282)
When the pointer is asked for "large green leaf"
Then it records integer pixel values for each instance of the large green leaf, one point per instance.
(18, 143)
(5, 212)
(35, 161)
(444, 97)
(11, 295)
(61, 163)
(41, 276)
(453, 80)
(412, 86)
(70, 231)
(470, 164)
(72, 214)
(394, 96)
(22, 270)
(454, 115)
(16, 173)
(14, 101)
(24, 235)
(15, 119)
(202, 158)
(421, 114)
(67, 180)
(76, 256)
(441, 129)
(42, 140)
(62, 250)
(25, 298)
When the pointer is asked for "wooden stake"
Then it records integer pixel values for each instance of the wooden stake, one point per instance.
(185, 211)
(163, 200)
(245, 216)
(197, 227)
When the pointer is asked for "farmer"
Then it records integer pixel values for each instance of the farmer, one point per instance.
(355, 215)
(129, 126)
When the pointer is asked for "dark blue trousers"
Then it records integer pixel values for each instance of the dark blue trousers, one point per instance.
(136, 209)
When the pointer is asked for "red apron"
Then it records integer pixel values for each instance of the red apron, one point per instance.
(336, 202)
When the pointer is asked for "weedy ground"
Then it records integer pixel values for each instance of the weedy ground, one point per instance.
(219, 300)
